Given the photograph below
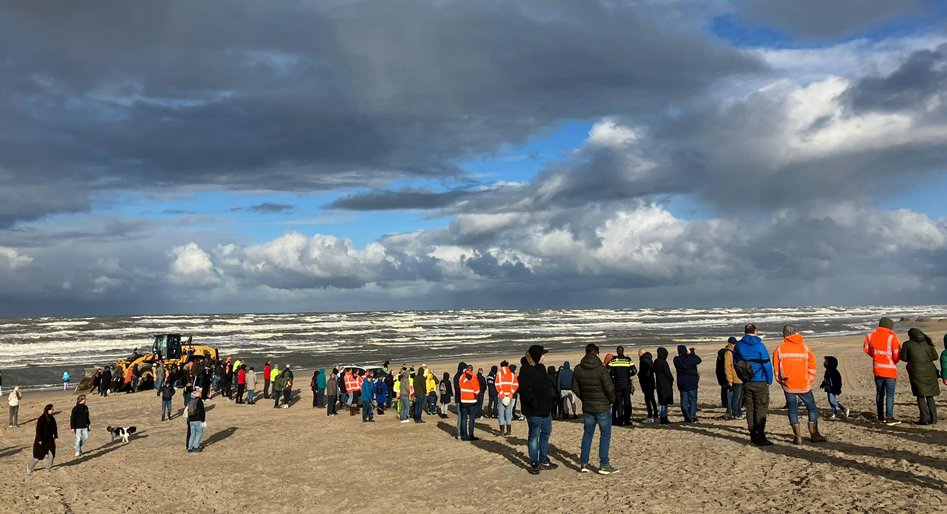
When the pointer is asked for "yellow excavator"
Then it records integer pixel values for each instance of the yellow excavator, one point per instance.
(168, 348)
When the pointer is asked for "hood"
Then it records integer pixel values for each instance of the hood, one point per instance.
(831, 362)
(681, 350)
(527, 361)
(565, 365)
(945, 341)
(590, 361)
(662, 353)
(919, 336)
(794, 339)
(646, 358)
(322, 371)
(461, 367)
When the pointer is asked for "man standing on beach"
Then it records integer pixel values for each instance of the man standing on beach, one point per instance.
(755, 390)
(795, 368)
(469, 391)
(883, 347)
(80, 423)
(506, 385)
(420, 394)
(734, 384)
(622, 369)
(536, 391)
(593, 385)
(267, 369)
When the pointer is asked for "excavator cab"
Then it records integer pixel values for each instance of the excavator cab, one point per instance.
(167, 346)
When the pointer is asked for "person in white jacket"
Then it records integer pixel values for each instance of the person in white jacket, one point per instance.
(14, 401)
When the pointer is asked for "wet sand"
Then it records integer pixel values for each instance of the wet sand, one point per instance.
(258, 458)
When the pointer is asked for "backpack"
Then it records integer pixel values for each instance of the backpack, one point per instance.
(744, 368)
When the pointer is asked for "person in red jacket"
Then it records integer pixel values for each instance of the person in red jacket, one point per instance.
(241, 382)
(883, 347)
(267, 368)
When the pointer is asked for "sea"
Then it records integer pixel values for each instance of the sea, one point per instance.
(34, 352)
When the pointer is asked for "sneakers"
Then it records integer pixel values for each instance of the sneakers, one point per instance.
(584, 468)
(741, 416)
(406, 421)
(892, 422)
(607, 469)
(846, 412)
(78, 454)
(534, 468)
(548, 465)
(648, 421)
(833, 417)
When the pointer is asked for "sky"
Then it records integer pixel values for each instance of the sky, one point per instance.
(341, 155)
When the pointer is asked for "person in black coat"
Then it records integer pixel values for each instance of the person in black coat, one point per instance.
(536, 399)
(646, 379)
(832, 385)
(44, 446)
(665, 384)
(460, 371)
(105, 382)
(687, 379)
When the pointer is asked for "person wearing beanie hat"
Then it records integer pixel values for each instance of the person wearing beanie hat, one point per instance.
(536, 393)
(884, 348)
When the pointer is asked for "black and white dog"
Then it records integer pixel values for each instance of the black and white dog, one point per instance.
(123, 432)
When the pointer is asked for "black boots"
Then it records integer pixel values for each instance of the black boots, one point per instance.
(758, 436)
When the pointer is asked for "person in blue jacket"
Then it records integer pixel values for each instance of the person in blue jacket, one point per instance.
(368, 394)
(756, 390)
(686, 364)
(381, 395)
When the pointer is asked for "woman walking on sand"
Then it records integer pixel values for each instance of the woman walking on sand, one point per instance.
(44, 446)
(920, 355)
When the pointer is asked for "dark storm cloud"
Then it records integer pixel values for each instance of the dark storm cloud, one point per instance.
(922, 76)
(399, 199)
(825, 20)
(319, 95)
(266, 208)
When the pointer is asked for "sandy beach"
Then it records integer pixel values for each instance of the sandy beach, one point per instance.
(298, 460)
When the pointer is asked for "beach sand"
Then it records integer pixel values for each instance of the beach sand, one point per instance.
(261, 459)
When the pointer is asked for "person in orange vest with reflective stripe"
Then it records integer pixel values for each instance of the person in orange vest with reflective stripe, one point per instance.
(795, 368)
(469, 391)
(506, 384)
(353, 390)
(883, 347)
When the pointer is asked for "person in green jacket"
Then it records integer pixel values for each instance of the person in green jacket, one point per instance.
(943, 362)
(919, 354)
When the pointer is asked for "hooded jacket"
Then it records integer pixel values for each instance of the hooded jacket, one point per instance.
(565, 377)
(460, 371)
(920, 355)
(751, 349)
(536, 394)
(251, 380)
(646, 371)
(381, 392)
(794, 364)
(663, 378)
(943, 360)
(884, 348)
(686, 366)
(420, 385)
(321, 379)
(593, 385)
(832, 380)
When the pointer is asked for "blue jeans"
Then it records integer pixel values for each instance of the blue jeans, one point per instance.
(538, 439)
(82, 434)
(604, 422)
(320, 398)
(689, 404)
(405, 407)
(197, 433)
(662, 411)
(736, 400)
(468, 412)
(250, 395)
(835, 404)
(158, 383)
(884, 387)
(505, 413)
(419, 407)
(165, 409)
(368, 412)
(811, 409)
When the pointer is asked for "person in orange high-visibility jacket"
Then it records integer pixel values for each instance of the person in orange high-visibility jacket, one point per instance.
(506, 384)
(795, 368)
(884, 348)
(469, 390)
(353, 390)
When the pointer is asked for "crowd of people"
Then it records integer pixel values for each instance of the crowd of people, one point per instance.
(539, 394)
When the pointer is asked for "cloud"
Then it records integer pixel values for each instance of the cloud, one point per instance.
(918, 84)
(398, 200)
(14, 259)
(295, 97)
(193, 267)
(266, 208)
(826, 20)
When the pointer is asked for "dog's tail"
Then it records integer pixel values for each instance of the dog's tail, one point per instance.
(131, 430)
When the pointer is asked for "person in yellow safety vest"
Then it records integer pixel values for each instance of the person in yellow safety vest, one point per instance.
(431, 385)
(403, 392)
(506, 384)
(621, 368)
(469, 391)
(795, 368)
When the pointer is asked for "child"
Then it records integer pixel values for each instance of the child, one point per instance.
(832, 385)
(65, 380)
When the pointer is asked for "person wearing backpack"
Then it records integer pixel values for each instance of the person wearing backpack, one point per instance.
(756, 371)
(735, 385)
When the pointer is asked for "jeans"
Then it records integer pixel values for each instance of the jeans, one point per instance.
(689, 404)
(538, 439)
(835, 404)
(352, 400)
(266, 389)
(368, 412)
(736, 400)
(197, 433)
(405, 407)
(320, 397)
(165, 409)
(432, 403)
(276, 395)
(419, 407)
(158, 383)
(331, 405)
(240, 388)
(134, 384)
(604, 422)
(663, 411)
(251, 394)
(756, 399)
(505, 413)
(14, 416)
(468, 413)
(492, 406)
(811, 409)
(568, 399)
(884, 387)
(82, 434)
